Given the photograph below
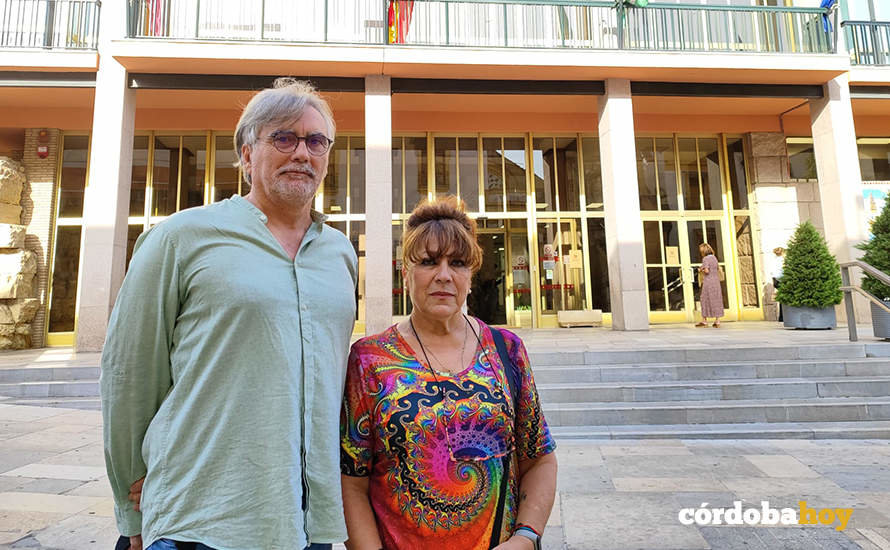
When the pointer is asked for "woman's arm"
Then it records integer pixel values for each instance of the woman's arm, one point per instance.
(537, 488)
(360, 523)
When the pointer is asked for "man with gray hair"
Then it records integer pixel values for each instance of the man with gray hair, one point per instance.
(223, 367)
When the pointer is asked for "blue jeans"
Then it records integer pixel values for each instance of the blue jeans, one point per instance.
(167, 544)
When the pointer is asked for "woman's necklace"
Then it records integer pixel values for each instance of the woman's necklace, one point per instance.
(463, 348)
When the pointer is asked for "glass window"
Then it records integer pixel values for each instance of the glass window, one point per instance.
(334, 185)
(415, 171)
(357, 175)
(543, 157)
(193, 165)
(133, 232)
(689, 173)
(73, 179)
(64, 290)
(397, 179)
(514, 172)
(567, 174)
(401, 303)
(446, 165)
(138, 176)
(493, 174)
(225, 174)
(599, 264)
(801, 158)
(667, 174)
(165, 175)
(469, 172)
(593, 174)
(874, 159)
(357, 238)
(711, 179)
(738, 177)
(646, 174)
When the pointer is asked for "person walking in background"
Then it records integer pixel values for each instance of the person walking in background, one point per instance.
(711, 293)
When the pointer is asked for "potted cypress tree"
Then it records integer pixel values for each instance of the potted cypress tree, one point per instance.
(877, 254)
(810, 286)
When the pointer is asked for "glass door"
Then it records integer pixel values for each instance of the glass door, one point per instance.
(561, 268)
(672, 262)
(487, 299)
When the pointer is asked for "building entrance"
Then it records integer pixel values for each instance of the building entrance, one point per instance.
(672, 261)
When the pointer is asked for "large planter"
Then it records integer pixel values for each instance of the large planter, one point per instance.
(809, 317)
(880, 321)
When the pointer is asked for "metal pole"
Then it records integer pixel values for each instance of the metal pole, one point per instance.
(848, 304)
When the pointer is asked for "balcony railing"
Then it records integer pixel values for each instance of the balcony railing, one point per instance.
(868, 42)
(72, 24)
(588, 24)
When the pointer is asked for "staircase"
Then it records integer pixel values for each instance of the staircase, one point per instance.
(800, 391)
(74, 386)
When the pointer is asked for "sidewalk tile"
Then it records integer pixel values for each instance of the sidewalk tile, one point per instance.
(666, 484)
(780, 466)
(56, 471)
(42, 502)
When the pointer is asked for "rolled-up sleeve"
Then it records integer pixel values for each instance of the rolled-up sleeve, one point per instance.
(136, 375)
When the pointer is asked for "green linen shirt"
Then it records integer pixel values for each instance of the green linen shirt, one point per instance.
(222, 377)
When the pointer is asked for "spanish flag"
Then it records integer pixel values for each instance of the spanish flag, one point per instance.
(399, 20)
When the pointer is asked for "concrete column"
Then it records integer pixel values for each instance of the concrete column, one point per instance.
(106, 200)
(621, 202)
(378, 203)
(840, 179)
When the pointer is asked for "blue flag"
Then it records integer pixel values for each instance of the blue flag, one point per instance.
(826, 24)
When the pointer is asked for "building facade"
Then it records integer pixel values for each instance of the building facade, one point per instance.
(595, 144)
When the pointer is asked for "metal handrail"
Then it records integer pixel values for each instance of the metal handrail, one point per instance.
(50, 24)
(868, 41)
(850, 288)
(577, 24)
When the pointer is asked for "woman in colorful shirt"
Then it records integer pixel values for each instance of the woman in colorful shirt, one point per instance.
(435, 448)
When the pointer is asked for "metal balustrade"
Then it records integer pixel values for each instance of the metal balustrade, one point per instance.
(868, 42)
(70, 24)
(573, 24)
(695, 27)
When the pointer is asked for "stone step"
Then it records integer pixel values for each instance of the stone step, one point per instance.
(776, 388)
(707, 353)
(86, 403)
(45, 373)
(68, 388)
(876, 429)
(735, 370)
(847, 409)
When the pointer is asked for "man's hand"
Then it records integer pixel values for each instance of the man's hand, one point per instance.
(136, 541)
(135, 497)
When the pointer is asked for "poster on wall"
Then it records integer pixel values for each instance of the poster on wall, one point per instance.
(875, 195)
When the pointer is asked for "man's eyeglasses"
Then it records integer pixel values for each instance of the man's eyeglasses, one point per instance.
(287, 142)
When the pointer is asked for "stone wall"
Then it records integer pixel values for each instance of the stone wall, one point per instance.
(38, 209)
(782, 204)
(18, 266)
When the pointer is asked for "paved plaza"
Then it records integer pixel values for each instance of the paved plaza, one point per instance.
(611, 494)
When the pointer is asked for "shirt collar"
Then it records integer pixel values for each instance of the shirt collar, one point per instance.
(317, 217)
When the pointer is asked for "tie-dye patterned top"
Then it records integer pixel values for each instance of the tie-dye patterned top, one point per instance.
(393, 429)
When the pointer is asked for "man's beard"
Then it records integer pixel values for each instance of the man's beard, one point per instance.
(295, 193)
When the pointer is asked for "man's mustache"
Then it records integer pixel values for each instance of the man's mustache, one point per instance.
(301, 168)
